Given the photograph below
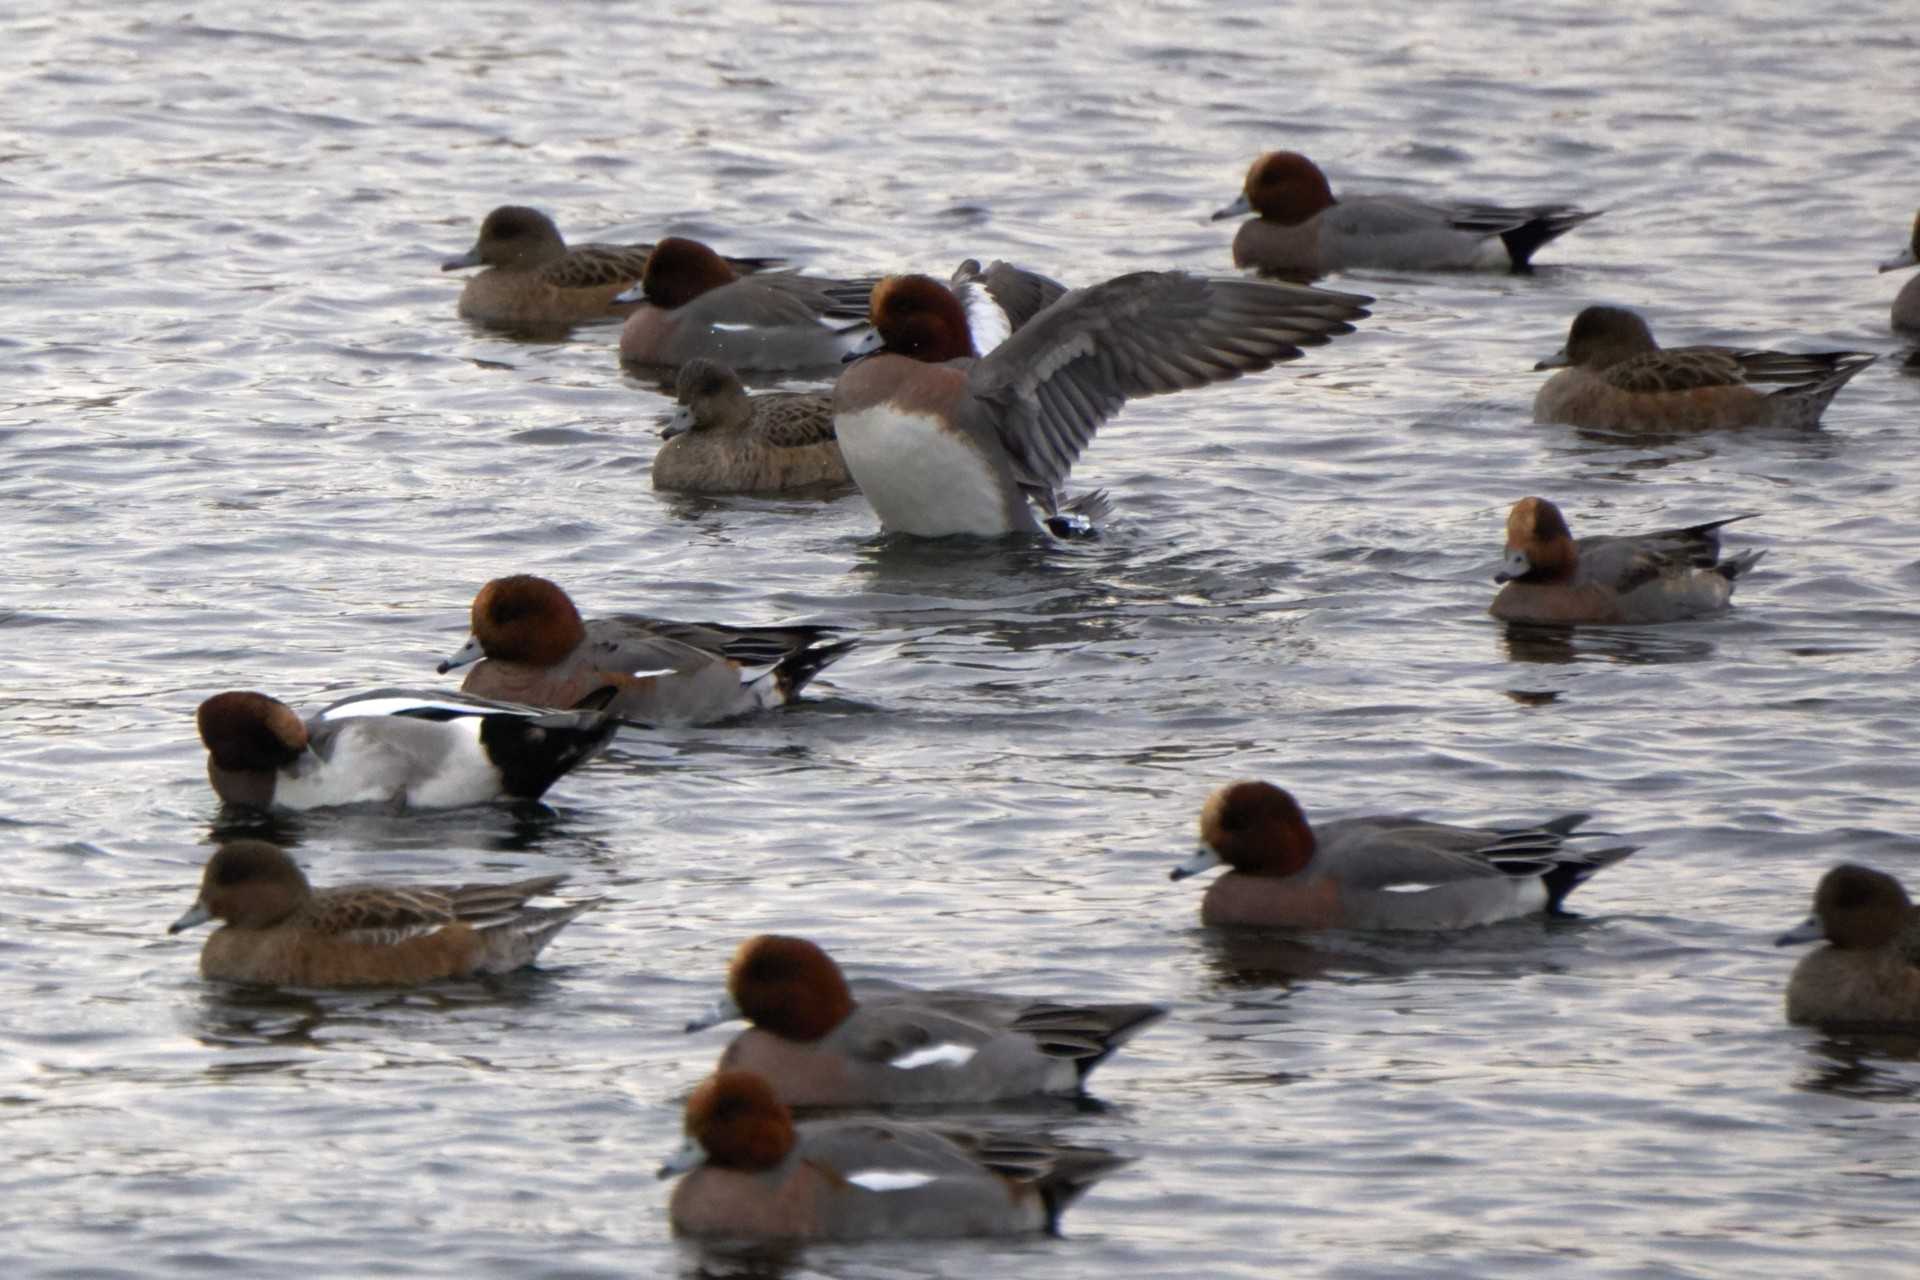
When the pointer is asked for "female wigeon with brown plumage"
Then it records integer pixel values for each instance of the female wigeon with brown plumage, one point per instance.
(1615, 377)
(536, 282)
(278, 929)
(1868, 972)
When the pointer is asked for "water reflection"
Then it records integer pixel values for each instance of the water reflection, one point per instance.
(1865, 1064)
(1646, 646)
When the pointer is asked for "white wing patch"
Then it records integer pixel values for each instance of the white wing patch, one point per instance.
(1408, 886)
(987, 323)
(890, 1179)
(719, 327)
(401, 706)
(935, 1055)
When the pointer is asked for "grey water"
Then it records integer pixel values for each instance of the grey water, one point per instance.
(249, 444)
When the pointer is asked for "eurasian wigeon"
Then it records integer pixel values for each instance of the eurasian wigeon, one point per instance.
(1386, 872)
(899, 1045)
(721, 440)
(945, 438)
(536, 282)
(533, 648)
(1906, 303)
(1302, 232)
(1614, 377)
(280, 930)
(693, 304)
(753, 1174)
(1868, 974)
(1613, 579)
(395, 747)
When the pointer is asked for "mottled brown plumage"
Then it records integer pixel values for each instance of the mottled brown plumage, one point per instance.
(1615, 377)
(1865, 975)
(535, 281)
(724, 441)
(280, 930)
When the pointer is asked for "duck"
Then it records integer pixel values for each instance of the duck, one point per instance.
(1868, 973)
(819, 1046)
(397, 747)
(531, 646)
(1906, 303)
(753, 1173)
(278, 930)
(945, 439)
(1614, 377)
(1385, 872)
(721, 440)
(692, 303)
(1612, 579)
(534, 281)
(1303, 233)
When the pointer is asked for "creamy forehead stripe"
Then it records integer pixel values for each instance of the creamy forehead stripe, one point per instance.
(890, 1179)
(934, 1055)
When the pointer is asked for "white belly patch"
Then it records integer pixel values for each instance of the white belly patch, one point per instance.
(921, 478)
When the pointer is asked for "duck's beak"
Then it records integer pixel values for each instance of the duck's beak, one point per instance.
(1239, 208)
(1905, 258)
(1808, 930)
(691, 1155)
(471, 258)
(196, 914)
(1516, 565)
(468, 652)
(1203, 859)
(868, 344)
(679, 424)
(722, 1010)
(1558, 360)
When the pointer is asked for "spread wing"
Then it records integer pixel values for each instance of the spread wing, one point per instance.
(1054, 381)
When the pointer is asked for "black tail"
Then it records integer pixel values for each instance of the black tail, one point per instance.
(1564, 877)
(1548, 222)
(793, 672)
(1086, 1033)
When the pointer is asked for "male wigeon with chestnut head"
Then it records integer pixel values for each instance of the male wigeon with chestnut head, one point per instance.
(1302, 232)
(722, 440)
(278, 929)
(945, 437)
(1906, 304)
(752, 1173)
(1385, 872)
(394, 747)
(536, 282)
(1615, 377)
(694, 305)
(1612, 579)
(1868, 973)
(532, 647)
(817, 1045)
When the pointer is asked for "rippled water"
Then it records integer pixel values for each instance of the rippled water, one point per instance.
(248, 443)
